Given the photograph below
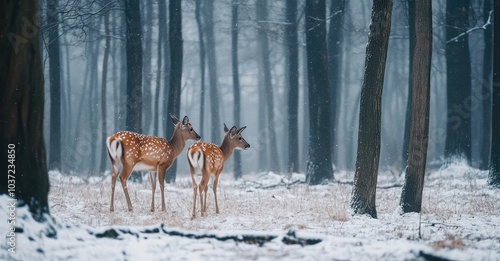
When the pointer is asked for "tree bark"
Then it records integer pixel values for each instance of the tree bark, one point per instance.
(236, 82)
(134, 66)
(212, 72)
(494, 174)
(176, 47)
(319, 165)
(411, 40)
(292, 63)
(162, 24)
(368, 151)
(55, 85)
(486, 88)
(21, 108)
(262, 30)
(411, 196)
(337, 9)
(458, 81)
(201, 40)
(107, 47)
(147, 72)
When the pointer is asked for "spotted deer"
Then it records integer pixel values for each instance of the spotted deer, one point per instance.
(133, 151)
(208, 160)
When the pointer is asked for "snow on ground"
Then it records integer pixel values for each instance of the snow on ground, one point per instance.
(459, 220)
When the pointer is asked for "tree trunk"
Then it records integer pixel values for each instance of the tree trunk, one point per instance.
(486, 88)
(201, 40)
(292, 63)
(107, 47)
(55, 85)
(176, 47)
(368, 151)
(236, 82)
(162, 24)
(411, 39)
(319, 165)
(166, 78)
(458, 81)
(134, 65)
(21, 109)
(411, 196)
(494, 174)
(337, 9)
(212, 72)
(147, 72)
(262, 31)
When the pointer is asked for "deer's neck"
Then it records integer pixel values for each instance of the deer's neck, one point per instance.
(177, 142)
(226, 149)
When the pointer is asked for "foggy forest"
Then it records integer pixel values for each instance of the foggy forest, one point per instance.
(314, 106)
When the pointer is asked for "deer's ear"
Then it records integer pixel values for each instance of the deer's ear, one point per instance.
(241, 130)
(225, 128)
(185, 120)
(174, 119)
(233, 131)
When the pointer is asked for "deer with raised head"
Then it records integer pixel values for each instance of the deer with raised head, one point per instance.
(133, 151)
(208, 160)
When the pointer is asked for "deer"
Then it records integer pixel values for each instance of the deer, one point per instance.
(208, 160)
(134, 151)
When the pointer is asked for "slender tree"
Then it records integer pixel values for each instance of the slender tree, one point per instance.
(147, 72)
(236, 81)
(368, 152)
(134, 65)
(55, 84)
(262, 31)
(167, 69)
(107, 47)
(411, 40)
(494, 174)
(458, 80)
(292, 63)
(486, 87)
(411, 197)
(319, 165)
(162, 24)
(337, 9)
(201, 42)
(21, 109)
(215, 123)
(176, 47)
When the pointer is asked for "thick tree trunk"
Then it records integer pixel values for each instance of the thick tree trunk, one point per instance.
(23, 167)
(458, 81)
(337, 9)
(147, 72)
(292, 63)
(162, 25)
(104, 123)
(368, 151)
(215, 128)
(236, 82)
(134, 66)
(262, 31)
(411, 196)
(411, 31)
(319, 166)
(166, 79)
(55, 85)
(176, 47)
(494, 175)
(486, 88)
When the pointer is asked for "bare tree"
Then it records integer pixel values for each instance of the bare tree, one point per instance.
(494, 174)
(368, 152)
(201, 41)
(55, 84)
(319, 166)
(176, 47)
(292, 62)
(486, 86)
(21, 108)
(104, 79)
(458, 80)
(236, 81)
(411, 196)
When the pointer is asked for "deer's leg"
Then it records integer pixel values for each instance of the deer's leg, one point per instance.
(216, 181)
(152, 179)
(161, 177)
(124, 174)
(113, 183)
(195, 187)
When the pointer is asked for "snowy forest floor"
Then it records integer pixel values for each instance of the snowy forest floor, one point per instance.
(460, 221)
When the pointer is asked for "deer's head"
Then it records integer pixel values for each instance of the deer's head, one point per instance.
(235, 139)
(185, 128)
